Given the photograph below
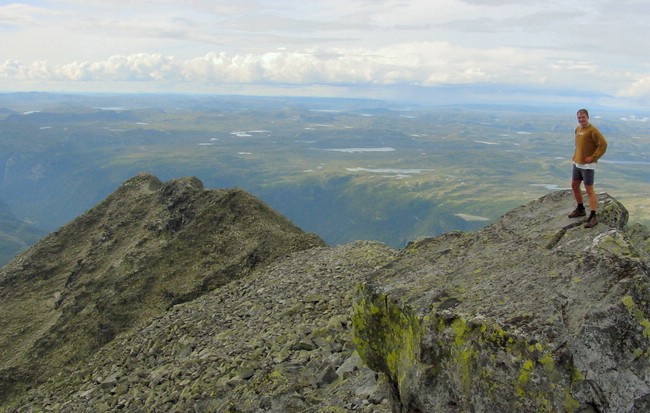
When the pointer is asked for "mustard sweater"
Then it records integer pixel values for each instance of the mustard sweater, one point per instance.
(589, 142)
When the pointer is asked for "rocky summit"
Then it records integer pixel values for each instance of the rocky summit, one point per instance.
(168, 297)
(534, 313)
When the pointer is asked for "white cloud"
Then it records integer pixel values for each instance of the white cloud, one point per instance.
(640, 87)
(117, 68)
(418, 63)
(336, 43)
(19, 15)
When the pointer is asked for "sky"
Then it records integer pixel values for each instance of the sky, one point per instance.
(593, 50)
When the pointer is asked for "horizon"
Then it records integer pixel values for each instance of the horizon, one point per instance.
(456, 51)
(439, 98)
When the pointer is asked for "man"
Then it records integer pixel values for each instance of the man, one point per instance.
(590, 146)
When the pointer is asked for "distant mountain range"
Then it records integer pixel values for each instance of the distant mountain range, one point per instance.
(345, 169)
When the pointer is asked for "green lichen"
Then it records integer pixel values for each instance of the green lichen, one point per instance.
(570, 404)
(459, 327)
(387, 337)
(479, 357)
(524, 377)
(645, 323)
(547, 362)
(576, 375)
(526, 369)
(617, 245)
(463, 354)
(639, 315)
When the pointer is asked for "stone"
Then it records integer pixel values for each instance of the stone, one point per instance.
(327, 376)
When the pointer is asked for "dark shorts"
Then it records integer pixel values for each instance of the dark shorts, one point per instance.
(585, 175)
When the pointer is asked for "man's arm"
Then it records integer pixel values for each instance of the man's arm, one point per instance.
(601, 145)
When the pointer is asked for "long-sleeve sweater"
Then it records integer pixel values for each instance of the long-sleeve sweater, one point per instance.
(589, 142)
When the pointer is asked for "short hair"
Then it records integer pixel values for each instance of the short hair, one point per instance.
(585, 111)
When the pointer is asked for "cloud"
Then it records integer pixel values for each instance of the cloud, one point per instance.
(414, 64)
(338, 43)
(640, 87)
(138, 67)
(575, 66)
(419, 63)
(17, 15)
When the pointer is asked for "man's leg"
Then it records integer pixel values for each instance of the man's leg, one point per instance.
(577, 193)
(592, 221)
(593, 198)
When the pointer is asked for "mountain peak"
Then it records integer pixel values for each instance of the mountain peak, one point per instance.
(146, 247)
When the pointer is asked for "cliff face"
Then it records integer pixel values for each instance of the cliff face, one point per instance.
(168, 297)
(532, 314)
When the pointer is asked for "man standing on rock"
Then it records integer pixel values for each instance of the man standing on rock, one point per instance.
(590, 146)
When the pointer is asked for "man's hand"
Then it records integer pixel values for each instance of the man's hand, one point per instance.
(589, 159)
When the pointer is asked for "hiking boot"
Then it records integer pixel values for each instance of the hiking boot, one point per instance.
(591, 222)
(578, 212)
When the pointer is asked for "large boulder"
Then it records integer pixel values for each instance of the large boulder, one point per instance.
(534, 313)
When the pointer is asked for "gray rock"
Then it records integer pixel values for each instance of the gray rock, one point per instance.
(327, 376)
(241, 359)
(533, 313)
(145, 248)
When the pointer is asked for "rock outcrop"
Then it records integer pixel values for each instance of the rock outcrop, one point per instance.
(531, 314)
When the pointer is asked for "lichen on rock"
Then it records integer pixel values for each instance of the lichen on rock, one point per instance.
(503, 319)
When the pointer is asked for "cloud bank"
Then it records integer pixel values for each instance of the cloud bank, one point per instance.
(201, 44)
(421, 64)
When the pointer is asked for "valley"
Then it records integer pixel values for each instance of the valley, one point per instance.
(343, 169)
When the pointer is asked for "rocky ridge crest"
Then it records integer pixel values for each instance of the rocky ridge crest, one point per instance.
(169, 297)
(145, 248)
(531, 314)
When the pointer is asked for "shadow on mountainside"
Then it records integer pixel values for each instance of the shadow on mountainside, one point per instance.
(15, 235)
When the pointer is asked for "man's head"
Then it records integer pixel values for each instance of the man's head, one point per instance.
(583, 117)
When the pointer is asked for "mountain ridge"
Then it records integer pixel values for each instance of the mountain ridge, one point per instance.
(125, 261)
(171, 297)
